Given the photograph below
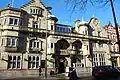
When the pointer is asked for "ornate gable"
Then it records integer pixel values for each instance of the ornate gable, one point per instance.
(33, 3)
(95, 24)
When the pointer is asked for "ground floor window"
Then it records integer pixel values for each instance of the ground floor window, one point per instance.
(33, 62)
(99, 59)
(14, 62)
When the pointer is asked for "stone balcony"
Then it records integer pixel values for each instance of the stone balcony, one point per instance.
(9, 49)
(35, 49)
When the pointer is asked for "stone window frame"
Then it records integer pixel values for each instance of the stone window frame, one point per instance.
(101, 59)
(12, 42)
(36, 25)
(36, 42)
(14, 62)
(35, 10)
(62, 29)
(95, 60)
(33, 62)
(13, 21)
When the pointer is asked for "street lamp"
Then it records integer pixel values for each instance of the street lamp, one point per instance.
(48, 8)
(116, 26)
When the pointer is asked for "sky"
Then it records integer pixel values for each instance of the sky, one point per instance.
(63, 11)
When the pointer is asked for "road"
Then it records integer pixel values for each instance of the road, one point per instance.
(58, 78)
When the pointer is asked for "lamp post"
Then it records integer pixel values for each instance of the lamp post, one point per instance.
(48, 8)
(116, 26)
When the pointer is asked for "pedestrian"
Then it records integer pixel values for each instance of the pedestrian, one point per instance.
(40, 70)
(72, 74)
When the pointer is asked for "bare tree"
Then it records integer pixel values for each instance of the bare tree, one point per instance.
(82, 4)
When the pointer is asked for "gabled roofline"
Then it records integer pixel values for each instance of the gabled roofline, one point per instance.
(15, 9)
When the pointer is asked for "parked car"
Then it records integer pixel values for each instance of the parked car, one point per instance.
(105, 71)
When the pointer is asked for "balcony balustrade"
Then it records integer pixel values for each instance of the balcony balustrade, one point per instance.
(72, 35)
(35, 49)
(9, 49)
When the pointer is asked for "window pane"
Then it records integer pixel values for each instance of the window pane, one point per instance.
(14, 57)
(13, 42)
(42, 63)
(31, 43)
(2, 42)
(37, 44)
(34, 44)
(29, 64)
(29, 58)
(37, 58)
(63, 30)
(33, 10)
(51, 45)
(18, 58)
(9, 64)
(33, 57)
(8, 41)
(9, 58)
(36, 11)
(14, 64)
(33, 65)
(11, 21)
(15, 21)
(18, 64)
(37, 64)
(51, 27)
(60, 29)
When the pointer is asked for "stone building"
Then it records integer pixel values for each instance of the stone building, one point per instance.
(114, 48)
(30, 36)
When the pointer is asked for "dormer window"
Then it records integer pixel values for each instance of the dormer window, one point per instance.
(37, 11)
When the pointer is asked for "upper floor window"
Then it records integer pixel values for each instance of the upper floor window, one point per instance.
(12, 42)
(36, 11)
(52, 27)
(35, 25)
(36, 44)
(13, 21)
(85, 32)
(52, 45)
(3, 42)
(62, 29)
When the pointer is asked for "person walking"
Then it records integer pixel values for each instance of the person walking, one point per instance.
(72, 74)
(40, 70)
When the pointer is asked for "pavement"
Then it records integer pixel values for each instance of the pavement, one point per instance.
(42, 77)
(53, 77)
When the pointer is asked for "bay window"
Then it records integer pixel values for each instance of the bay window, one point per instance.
(14, 62)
